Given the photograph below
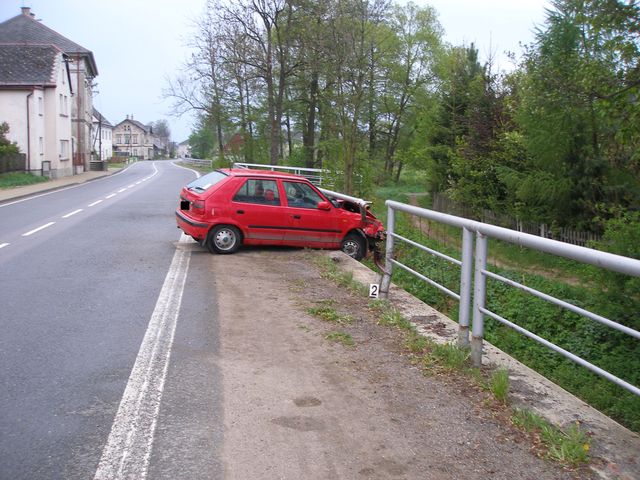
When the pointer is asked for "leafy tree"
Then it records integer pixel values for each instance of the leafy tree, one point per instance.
(6, 146)
(579, 111)
(202, 140)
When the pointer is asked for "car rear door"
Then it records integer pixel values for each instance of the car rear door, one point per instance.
(256, 206)
(308, 225)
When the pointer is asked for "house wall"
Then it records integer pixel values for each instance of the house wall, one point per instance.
(81, 113)
(103, 148)
(40, 137)
(142, 148)
(13, 110)
(58, 124)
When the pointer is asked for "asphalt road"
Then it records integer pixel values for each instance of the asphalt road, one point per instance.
(86, 271)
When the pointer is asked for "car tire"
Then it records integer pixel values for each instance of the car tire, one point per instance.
(224, 239)
(354, 245)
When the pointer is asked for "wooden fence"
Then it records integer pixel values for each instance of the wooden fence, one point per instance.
(443, 204)
(13, 162)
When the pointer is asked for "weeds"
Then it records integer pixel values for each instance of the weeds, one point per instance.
(499, 385)
(329, 314)
(341, 337)
(570, 446)
(416, 343)
(447, 356)
(330, 271)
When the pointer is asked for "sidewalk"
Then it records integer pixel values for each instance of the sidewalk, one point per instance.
(15, 193)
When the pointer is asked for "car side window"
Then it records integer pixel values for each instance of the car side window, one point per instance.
(260, 191)
(301, 195)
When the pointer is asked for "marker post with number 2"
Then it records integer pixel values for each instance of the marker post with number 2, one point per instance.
(374, 290)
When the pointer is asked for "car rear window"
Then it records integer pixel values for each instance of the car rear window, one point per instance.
(205, 182)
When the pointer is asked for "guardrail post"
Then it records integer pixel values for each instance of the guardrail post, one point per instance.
(385, 283)
(465, 288)
(479, 291)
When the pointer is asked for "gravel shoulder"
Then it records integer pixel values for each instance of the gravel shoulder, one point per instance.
(297, 405)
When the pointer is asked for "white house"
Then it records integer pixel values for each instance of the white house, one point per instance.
(35, 100)
(22, 37)
(101, 137)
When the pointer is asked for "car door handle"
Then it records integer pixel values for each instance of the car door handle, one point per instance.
(240, 212)
(297, 217)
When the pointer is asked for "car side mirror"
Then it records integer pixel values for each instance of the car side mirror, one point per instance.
(324, 205)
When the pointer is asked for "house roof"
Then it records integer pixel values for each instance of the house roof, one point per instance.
(28, 65)
(140, 125)
(25, 29)
(98, 116)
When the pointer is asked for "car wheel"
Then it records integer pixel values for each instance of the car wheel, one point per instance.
(354, 245)
(224, 239)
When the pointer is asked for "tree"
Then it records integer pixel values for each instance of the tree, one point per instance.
(202, 86)
(6, 146)
(162, 131)
(409, 67)
(580, 113)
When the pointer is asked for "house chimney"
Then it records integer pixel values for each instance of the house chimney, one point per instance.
(26, 11)
(127, 117)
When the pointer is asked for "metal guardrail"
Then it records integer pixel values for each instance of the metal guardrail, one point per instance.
(478, 233)
(197, 161)
(314, 175)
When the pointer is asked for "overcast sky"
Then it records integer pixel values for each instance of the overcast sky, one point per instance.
(138, 43)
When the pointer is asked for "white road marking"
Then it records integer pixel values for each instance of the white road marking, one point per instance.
(2, 245)
(38, 229)
(121, 190)
(128, 449)
(111, 196)
(131, 186)
(72, 213)
(94, 203)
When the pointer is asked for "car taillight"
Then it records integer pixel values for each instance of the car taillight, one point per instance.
(198, 204)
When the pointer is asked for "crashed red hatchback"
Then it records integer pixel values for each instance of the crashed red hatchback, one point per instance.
(228, 208)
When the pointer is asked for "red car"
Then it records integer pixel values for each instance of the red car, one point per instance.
(227, 208)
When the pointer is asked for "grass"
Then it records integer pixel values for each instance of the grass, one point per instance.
(329, 314)
(19, 179)
(447, 357)
(341, 337)
(499, 385)
(331, 271)
(570, 446)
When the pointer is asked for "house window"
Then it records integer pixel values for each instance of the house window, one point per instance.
(66, 105)
(64, 149)
(135, 152)
(40, 106)
(41, 145)
(118, 138)
(61, 104)
(127, 138)
(134, 138)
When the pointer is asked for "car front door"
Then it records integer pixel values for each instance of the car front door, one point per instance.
(256, 206)
(309, 226)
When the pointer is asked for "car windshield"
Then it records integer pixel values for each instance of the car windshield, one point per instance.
(206, 181)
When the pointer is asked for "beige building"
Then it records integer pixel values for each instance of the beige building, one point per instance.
(71, 76)
(132, 138)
